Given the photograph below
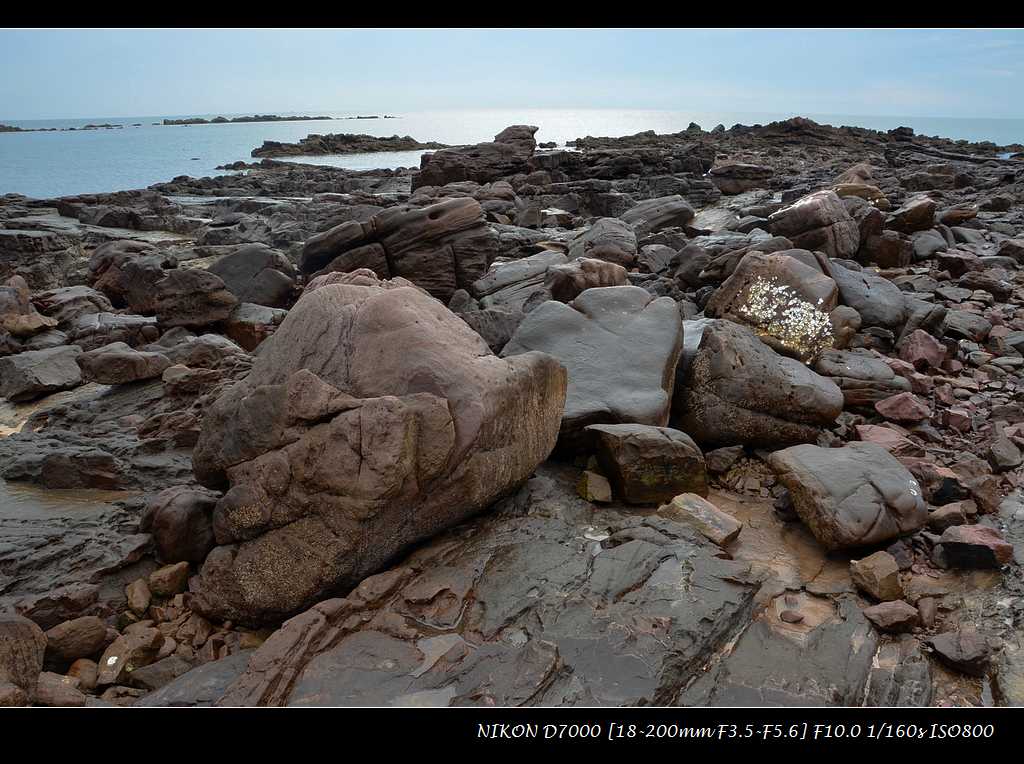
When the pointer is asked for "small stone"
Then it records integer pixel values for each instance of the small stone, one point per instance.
(139, 596)
(703, 516)
(904, 407)
(791, 616)
(896, 616)
(57, 690)
(169, 580)
(594, 488)
(965, 651)
(122, 696)
(928, 610)
(87, 672)
(1003, 454)
(878, 575)
(946, 517)
(129, 652)
(902, 553)
(975, 546)
(721, 459)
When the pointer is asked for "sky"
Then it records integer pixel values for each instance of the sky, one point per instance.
(55, 74)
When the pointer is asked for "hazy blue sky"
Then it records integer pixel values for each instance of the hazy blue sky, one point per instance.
(89, 73)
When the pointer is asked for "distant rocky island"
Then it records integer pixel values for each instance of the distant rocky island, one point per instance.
(253, 118)
(13, 129)
(342, 143)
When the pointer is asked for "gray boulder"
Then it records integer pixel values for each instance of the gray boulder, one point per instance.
(608, 239)
(620, 346)
(257, 274)
(35, 373)
(856, 495)
(735, 389)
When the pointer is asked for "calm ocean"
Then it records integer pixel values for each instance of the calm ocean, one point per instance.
(58, 164)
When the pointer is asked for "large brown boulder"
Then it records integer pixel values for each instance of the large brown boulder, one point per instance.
(372, 419)
(818, 221)
(18, 316)
(127, 273)
(119, 364)
(857, 495)
(649, 465)
(508, 154)
(192, 298)
(567, 282)
(784, 300)
(441, 247)
(738, 390)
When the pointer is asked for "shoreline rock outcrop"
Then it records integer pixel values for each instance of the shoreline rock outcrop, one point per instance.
(373, 418)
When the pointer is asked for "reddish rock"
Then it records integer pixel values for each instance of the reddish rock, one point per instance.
(959, 419)
(406, 398)
(86, 672)
(888, 438)
(976, 475)
(896, 616)
(904, 407)
(139, 596)
(922, 350)
(975, 546)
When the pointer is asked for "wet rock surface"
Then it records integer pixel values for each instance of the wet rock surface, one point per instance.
(449, 631)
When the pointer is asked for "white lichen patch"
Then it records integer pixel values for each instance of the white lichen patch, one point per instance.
(778, 311)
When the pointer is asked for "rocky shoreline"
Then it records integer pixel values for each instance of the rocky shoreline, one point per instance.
(727, 417)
